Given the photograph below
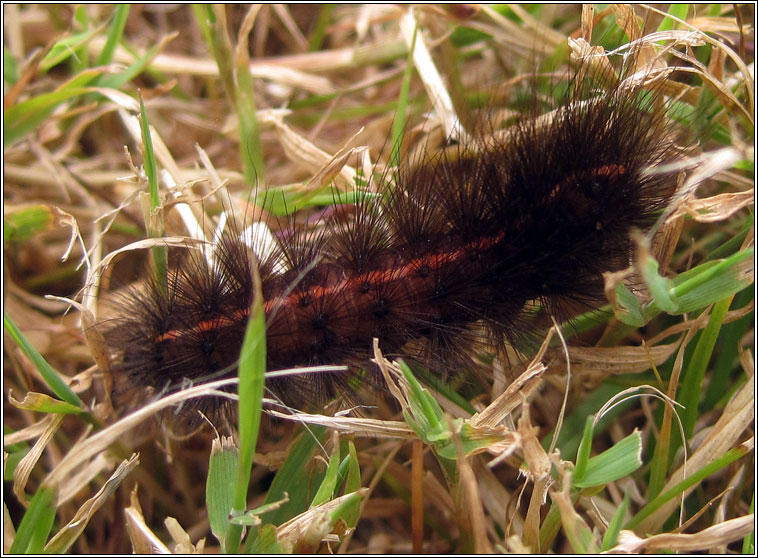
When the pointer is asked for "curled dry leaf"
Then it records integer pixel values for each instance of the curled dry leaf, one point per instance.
(67, 535)
(707, 539)
(49, 426)
(611, 360)
(718, 207)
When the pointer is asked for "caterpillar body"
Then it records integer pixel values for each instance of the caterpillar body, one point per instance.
(480, 234)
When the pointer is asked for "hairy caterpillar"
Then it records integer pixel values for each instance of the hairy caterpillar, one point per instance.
(463, 236)
(490, 238)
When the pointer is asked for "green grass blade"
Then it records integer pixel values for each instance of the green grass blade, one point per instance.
(692, 380)
(115, 32)
(690, 393)
(150, 163)
(329, 485)
(204, 16)
(627, 308)
(140, 64)
(585, 447)
(398, 125)
(569, 438)
(266, 542)
(676, 10)
(715, 282)
(295, 477)
(614, 528)
(353, 481)
(24, 117)
(66, 47)
(221, 47)
(79, 54)
(694, 478)
(36, 524)
(155, 225)
(352, 484)
(54, 381)
(659, 286)
(43, 403)
(616, 462)
(252, 371)
(320, 29)
(219, 487)
(23, 223)
(721, 375)
(250, 141)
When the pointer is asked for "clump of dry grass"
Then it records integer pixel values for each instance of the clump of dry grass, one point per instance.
(481, 475)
